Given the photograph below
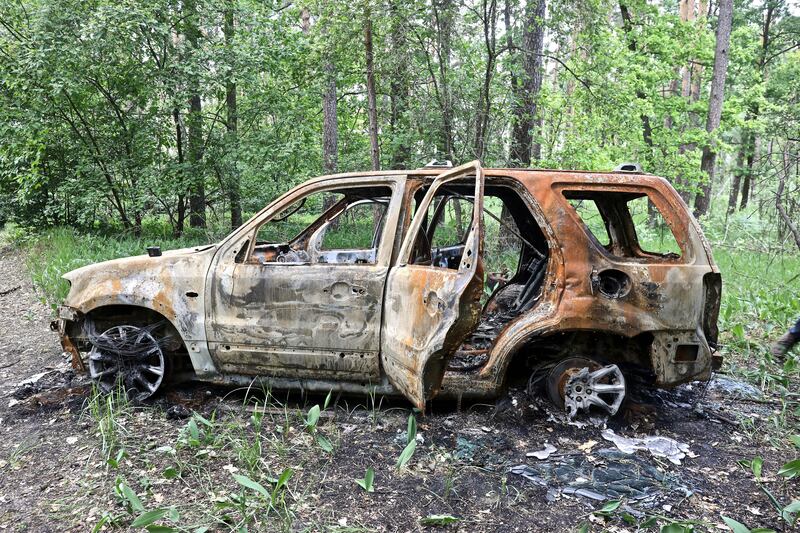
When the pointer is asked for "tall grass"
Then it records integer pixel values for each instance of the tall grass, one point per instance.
(56, 251)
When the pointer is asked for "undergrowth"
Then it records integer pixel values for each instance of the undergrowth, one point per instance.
(56, 251)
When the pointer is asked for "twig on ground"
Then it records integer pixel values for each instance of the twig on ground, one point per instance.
(9, 291)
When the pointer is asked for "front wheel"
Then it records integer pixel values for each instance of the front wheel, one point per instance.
(130, 357)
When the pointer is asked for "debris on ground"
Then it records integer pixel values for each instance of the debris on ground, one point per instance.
(590, 421)
(401, 438)
(34, 378)
(482, 449)
(734, 388)
(50, 380)
(178, 412)
(657, 445)
(544, 453)
(607, 474)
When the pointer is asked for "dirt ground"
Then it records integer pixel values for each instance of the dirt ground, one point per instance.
(70, 463)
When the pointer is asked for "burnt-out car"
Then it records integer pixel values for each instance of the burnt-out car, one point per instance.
(437, 281)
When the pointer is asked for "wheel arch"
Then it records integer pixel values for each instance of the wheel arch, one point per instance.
(103, 317)
(554, 343)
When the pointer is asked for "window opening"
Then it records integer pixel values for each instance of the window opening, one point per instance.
(342, 226)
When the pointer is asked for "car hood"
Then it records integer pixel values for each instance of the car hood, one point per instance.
(172, 284)
(136, 263)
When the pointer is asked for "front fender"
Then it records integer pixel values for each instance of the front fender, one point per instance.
(171, 285)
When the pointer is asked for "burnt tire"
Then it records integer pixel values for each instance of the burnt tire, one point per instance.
(129, 357)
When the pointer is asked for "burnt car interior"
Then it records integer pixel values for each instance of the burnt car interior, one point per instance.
(341, 226)
(514, 258)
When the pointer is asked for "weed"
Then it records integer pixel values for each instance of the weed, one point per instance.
(106, 410)
(195, 437)
(449, 482)
(20, 451)
(788, 513)
(265, 501)
(438, 520)
(311, 422)
(411, 443)
(367, 482)
(248, 449)
(374, 407)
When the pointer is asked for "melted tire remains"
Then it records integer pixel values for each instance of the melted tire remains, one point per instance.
(130, 357)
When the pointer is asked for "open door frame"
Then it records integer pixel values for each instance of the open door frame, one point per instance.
(429, 310)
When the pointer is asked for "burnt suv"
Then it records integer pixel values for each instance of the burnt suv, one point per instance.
(437, 281)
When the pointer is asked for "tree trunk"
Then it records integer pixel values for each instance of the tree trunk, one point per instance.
(747, 183)
(696, 72)
(398, 90)
(485, 97)
(716, 99)
(782, 174)
(526, 94)
(330, 119)
(232, 123)
(330, 125)
(443, 16)
(754, 111)
(736, 182)
(194, 120)
(177, 231)
(372, 105)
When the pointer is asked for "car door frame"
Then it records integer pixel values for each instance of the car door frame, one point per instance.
(429, 310)
(248, 357)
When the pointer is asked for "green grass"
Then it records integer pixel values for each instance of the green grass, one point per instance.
(56, 251)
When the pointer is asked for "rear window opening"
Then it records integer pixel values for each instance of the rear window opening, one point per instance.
(514, 258)
(625, 224)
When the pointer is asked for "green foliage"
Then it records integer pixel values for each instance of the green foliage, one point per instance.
(106, 411)
(98, 132)
(790, 469)
(411, 443)
(609, 508)
(367, 482)
(738, 527)
(788, 513)
(312, 417)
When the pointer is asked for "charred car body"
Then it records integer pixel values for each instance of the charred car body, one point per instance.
(433, 281)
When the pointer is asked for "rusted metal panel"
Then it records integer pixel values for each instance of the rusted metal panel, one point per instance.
(429, 310)
(309, 320)
(299, 320)
(172, 285)
(667, 295)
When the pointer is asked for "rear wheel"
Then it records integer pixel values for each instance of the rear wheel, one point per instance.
(581, 383)
(130, 357)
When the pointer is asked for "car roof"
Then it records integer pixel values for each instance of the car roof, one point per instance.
(523, 174)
